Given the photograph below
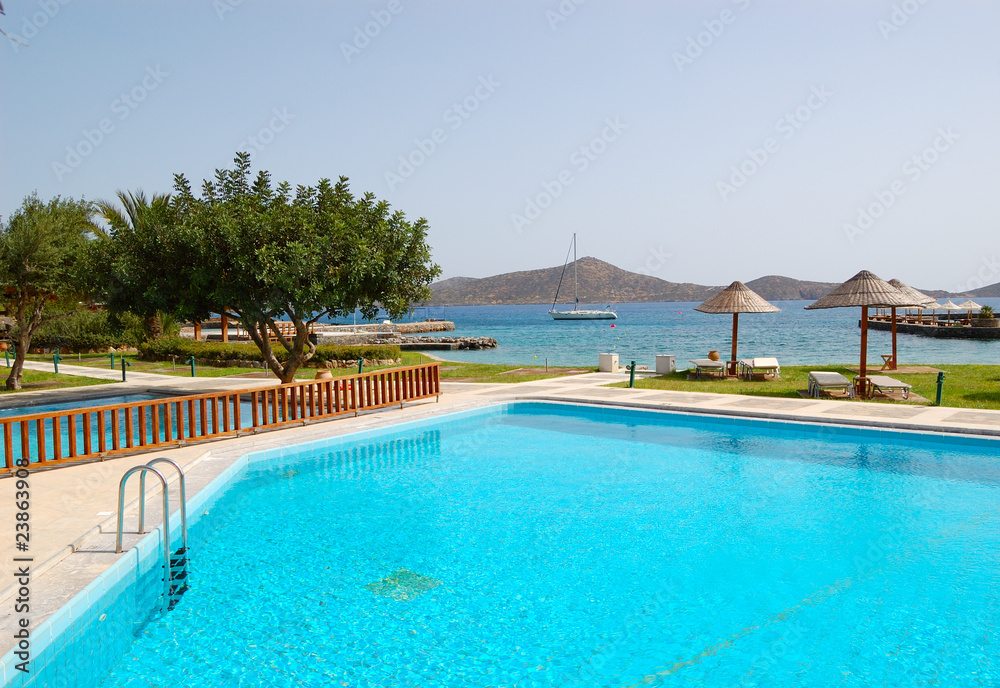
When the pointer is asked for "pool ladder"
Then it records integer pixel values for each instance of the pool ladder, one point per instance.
(175, 564)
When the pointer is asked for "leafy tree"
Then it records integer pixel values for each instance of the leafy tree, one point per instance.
(261, 254)
(42, 267)
(132, 271)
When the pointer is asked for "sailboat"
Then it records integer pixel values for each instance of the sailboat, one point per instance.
(577, 313)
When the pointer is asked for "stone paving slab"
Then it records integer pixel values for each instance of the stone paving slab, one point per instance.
(772, 403)
(976, 417)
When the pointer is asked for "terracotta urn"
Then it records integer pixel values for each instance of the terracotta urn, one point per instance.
(713, 355)
(324, 374)
(3, 346)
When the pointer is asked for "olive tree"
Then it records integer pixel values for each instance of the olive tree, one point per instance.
(262, 253)
(42, 268)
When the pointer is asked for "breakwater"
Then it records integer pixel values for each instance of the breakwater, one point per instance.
(939, 331)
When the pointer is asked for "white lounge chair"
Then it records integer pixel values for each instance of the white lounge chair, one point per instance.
(759, 366)
(706, 366)
(884, 384)
(821, 381)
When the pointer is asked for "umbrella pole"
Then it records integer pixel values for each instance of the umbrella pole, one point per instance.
(861, 384)
(893, 366)
(736, 327)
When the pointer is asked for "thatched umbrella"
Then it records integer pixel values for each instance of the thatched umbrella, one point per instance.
(917, 299)
(736, 298)
(949, 306)
(864, 289)
(970, 306)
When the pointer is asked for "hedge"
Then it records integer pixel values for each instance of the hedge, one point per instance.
(163, 349)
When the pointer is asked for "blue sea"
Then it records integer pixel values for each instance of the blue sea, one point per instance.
(795, 336)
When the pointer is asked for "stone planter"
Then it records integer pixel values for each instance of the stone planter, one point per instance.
(986, 322)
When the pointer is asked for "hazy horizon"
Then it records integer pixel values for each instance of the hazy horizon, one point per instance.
(696, 142)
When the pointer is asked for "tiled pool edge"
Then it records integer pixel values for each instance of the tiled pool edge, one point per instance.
(81, 608)
(821, 422)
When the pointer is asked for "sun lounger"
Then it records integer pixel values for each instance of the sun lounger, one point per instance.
(759, 366)
(884, 384)
(820, 382)
(706, 366)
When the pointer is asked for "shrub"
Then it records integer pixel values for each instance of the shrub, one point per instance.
(163, 349)
(82, 331)
(986, 312)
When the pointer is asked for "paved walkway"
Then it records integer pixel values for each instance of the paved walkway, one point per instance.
(74, 507)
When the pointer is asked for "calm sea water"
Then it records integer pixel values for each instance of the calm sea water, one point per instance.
(795, 336)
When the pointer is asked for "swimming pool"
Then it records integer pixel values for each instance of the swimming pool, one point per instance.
(111, 430)
(537, 544)
(29, 409)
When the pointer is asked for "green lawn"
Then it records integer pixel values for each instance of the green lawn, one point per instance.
(483, 372)
(465, 372)
(966, 386)
(34, 380)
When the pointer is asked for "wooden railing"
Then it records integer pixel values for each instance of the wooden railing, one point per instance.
(59, 437)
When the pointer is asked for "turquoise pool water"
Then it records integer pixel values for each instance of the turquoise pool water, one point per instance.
(77, 404)
(86, 404)
(566, 546)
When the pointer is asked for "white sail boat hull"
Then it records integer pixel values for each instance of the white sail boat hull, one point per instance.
(577, 313)
(583, 315)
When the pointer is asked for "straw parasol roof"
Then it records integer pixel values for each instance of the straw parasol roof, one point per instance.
(737, 298)
(864, 289)
(933, 306)
(949, 305)
(918, 298)
(969, 305)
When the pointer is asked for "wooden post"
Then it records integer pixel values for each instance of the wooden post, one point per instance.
(197, 331)
(736, 327)
(892, 363)
(225, 327)
(863, 369)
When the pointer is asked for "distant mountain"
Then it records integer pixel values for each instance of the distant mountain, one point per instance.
(777, 288)
(989, 291)
(601, 283)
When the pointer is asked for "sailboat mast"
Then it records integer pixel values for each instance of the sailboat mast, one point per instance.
(576, 296)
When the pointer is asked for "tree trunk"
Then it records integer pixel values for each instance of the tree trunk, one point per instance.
(153, 326)
(17, 370)
(299, 348)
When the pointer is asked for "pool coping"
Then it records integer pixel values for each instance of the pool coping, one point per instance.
(274, 446)
(765, 415)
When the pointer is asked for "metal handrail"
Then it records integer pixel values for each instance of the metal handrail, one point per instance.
(142, 499)
(166, 523)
